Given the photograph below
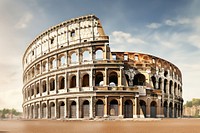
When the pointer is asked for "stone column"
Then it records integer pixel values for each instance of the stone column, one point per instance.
(55, 109)
(148, 108)
(77, 80)
(47, 110)
(66, 108)
(91, 78)
(167, 109)
(106, 107)
(105, 77)
(91, 107)
(135, 109)
(120, 77)
(121, 107)
(77, 109)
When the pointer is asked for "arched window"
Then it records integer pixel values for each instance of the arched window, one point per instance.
(113, 79)
(62, 60)
(160, 83)
(175, 88)
(52, 84)
(99, 79)
(61, 82)
(99, 54)
(61, 109)
(86, 56)
(128, 109)
(153, 79)
(73, 58)
(139, 79)
(73, 110)
(52, 63)
(38, 69)
(73, 82)
(85, 81)
(33, 72)
(99, 108)
(165, 86)
(44, 86)
(170, 87)
(45, 66)
(52, 110)
(86, 108)
(37, 88)
(153, 110)
(114, 107)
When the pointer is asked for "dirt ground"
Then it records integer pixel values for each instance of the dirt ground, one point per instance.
(108, 126)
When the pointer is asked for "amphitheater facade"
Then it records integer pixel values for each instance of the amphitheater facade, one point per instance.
(69, 71)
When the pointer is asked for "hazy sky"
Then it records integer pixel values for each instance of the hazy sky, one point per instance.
(169, 29)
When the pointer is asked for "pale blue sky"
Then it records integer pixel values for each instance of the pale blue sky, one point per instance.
(165, 28)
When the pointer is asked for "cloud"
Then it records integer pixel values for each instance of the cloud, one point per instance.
(120, 36)
(24, 21)
(153, 26)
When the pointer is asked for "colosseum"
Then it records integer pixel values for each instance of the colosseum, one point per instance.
(70, 72)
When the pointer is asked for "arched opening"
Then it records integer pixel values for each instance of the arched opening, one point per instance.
(142, 108)
(175, 88)
(175, 110)
(73, 58)
(44, 110)
(52, 63)
(165, 108)
(37, 88)
(52, 110)
(73, 110)
(52, 84)
(99, 54)
(165, 86)
(166, 73)
(62, 60)
(99, 108)
(61, 82)
(86, 56)
(160, 84)
(44, 86)
(86, 109)
(114, 108)
(98, 78)
(128, 109)
(170, 87)
(153, 79)
(139, 79)
(113, 79)
(61, 109)
(32, 112)
(37, 111)
(45, 66)
(170, 110)
(38, 69)
(153, 109)
(85, 81)
(73, 82)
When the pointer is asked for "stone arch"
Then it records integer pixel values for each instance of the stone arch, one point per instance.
(73, 110)
(153, 80)
(139, 79)
(61, 82)
(165, 108)
(99, 54)
(52, 84)
(175, 88)
(99, 79)
(74, 58)
(52, 63)
(52, 109)
(113, 79)
(170, 110)
(99, 108)
(128, 109)
(37, 88)
(86, 56)
(37, 111)
(32, 112)
(73, 81)
(44, 86)
(44, 110)
(143, 108)
(175, 110)
(170, 87)
(61, 60)
(61, 109)
(114, 107)
(45, 66)
(165, 85)
(85, 109)
(160, 83)
(38, 69)
(85, 80)
(153, 109)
